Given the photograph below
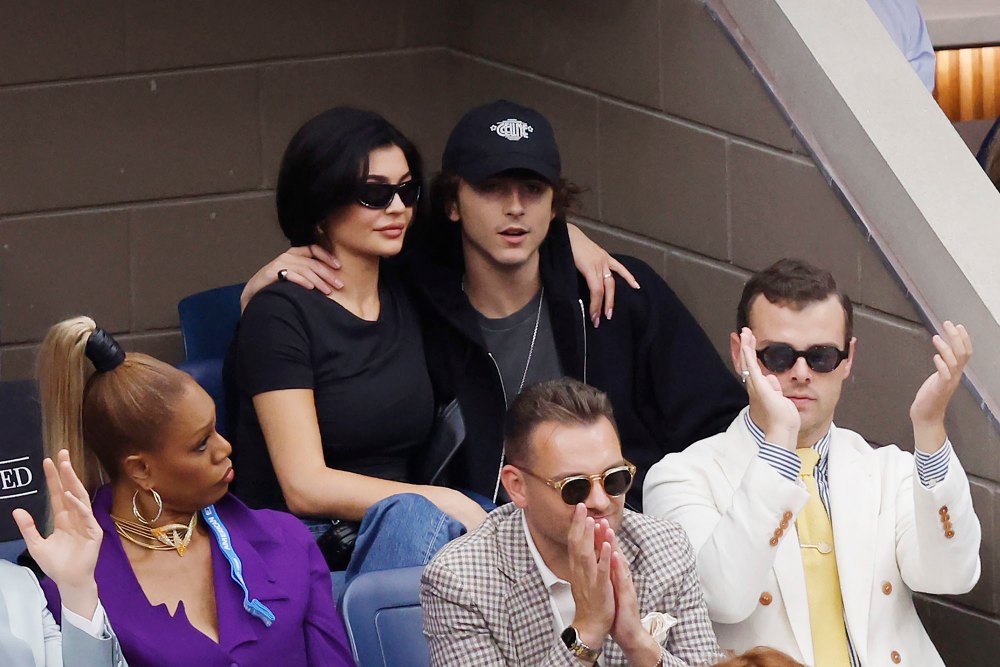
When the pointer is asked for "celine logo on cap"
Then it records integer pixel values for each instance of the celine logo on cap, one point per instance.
(512, 129)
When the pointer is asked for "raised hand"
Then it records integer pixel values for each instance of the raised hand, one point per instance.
(590, 578)
(69, 555)
(770, 409)
(927, 412)
(311, 267)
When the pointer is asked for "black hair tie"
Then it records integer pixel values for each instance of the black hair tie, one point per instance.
(104, 351)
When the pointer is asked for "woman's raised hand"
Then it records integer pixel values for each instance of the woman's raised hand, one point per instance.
(69, 555)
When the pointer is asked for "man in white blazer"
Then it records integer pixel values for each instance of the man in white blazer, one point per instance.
(899, 522)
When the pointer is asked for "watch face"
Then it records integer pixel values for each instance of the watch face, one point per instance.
(571, 638)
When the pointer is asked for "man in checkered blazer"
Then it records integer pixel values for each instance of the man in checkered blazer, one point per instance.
(565, 575)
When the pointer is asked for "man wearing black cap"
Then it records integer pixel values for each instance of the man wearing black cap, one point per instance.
(502, 307)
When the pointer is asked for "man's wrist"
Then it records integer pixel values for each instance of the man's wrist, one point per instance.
(783, 437)
(643, 649)
(80, 599)
(589, 635)
(582, 650)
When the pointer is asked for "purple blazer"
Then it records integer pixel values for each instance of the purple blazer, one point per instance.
(282, 568)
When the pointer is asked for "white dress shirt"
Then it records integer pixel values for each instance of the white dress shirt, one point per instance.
(560, 593)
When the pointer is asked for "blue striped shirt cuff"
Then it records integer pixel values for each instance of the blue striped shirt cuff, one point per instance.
(785, 463)
(933, 468)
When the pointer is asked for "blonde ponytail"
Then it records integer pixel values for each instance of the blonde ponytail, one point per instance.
(63, 373)
(102, 415)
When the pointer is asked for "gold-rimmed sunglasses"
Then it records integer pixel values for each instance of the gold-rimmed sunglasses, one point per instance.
(575, 489)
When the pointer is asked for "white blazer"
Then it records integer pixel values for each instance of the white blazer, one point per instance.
(30, 637)
(889, 534)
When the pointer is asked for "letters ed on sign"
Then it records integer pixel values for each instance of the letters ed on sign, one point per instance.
(15, 478)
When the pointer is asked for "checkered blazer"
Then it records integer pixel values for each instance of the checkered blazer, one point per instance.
(485, 604)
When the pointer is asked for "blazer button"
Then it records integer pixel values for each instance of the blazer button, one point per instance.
(773, 541)
(778, 532)
(784, 524)
(949, 534)
(896, 658)
(946, 525)
(787, 516)
(886, 587)
(765, 598)
(943, 510)
(945, 518)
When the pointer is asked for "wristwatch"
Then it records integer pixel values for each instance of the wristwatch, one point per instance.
(571, 638)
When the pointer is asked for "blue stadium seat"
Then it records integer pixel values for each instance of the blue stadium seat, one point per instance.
(208, 322)
(11, 550)
(384, 619)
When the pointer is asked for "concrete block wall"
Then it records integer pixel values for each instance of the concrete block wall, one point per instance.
(139, 145)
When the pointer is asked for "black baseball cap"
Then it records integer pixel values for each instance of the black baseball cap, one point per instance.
(500, 136)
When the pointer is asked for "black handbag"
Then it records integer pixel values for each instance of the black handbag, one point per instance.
(337, 543)
(446, 436)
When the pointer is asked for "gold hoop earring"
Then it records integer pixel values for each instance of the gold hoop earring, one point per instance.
(138, 515)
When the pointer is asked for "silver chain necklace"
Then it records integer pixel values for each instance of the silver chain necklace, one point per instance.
(534, 336)
(524, 376)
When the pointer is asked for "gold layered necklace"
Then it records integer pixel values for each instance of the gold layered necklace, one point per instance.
(170, 537)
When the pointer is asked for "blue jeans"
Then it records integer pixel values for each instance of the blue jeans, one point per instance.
(403, 530)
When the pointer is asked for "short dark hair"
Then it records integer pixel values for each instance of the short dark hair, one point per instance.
(444, 193)
(325, 163)
(563, 400)
(794, 283)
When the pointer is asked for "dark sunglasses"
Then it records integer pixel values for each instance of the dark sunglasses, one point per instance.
(576, 488)
(380, 195)
(779, 357)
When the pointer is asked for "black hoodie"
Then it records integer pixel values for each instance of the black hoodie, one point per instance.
(666, 382)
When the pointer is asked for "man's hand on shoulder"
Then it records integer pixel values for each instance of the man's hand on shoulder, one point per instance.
(927, 412)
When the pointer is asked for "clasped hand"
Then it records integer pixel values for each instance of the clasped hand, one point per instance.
(605, 596)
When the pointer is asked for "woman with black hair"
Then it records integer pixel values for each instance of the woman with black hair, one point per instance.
(334, 395)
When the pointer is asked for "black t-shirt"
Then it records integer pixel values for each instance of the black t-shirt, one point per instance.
(373, 395)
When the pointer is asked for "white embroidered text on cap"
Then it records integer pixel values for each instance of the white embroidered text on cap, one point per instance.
(512, 129)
